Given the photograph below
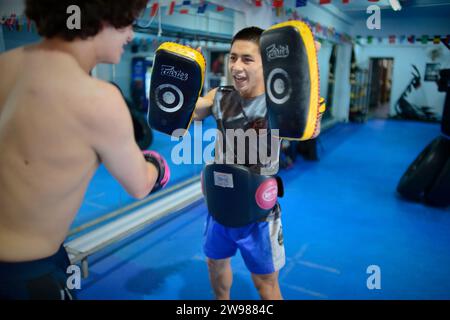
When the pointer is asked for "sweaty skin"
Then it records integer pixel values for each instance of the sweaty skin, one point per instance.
(57, 124)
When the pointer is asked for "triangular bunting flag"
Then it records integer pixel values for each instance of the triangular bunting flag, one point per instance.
(437, 40)
(202, 8)
(171, 8)
(154, 10)
(277, 3)
(424, 39)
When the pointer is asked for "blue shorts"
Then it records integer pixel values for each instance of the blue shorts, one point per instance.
(260, 243)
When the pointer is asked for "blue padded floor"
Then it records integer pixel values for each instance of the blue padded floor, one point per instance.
(340, 216)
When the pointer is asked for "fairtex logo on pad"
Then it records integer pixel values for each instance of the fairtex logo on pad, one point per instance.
(170, 71)
(274, 52)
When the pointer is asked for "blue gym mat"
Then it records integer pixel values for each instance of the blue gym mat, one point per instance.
(340, 216)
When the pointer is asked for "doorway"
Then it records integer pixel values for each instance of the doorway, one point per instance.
(380, 77)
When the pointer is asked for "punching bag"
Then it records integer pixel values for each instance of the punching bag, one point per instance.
(423, 172)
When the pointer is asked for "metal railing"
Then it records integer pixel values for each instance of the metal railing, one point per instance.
(175, 199)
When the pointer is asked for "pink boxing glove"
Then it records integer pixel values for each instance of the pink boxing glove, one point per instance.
(161, 165)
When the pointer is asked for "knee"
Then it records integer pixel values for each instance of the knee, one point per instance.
(267, 286)
(217, 265)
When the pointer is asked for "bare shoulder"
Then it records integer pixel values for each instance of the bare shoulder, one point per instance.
(10, 61)
(11, 55)
(105, 108)
(108, 98)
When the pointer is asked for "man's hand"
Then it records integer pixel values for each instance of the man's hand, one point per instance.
(204, 104)
(161, 165)
(318, 45)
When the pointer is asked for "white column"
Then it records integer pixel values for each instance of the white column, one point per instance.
(239, 21)
(341, 103)
(246, 14)
(259, 16)
(2, 40)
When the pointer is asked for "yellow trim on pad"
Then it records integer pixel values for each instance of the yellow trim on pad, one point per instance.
(189, 53)
(308, 39)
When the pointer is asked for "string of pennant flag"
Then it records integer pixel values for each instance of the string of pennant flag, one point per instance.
(302, 3)
(343, 1)
(411, 39)
(184, 7)
(20, 23)
(14, 22)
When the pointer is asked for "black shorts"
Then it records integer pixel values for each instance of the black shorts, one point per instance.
(43, 279)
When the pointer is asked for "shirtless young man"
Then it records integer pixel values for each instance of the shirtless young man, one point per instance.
(57, 124)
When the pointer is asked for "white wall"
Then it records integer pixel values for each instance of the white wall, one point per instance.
(401, 23)
(254, 16)
(404, 56)
(247, 14)
(2, 41)
(210, 21)
(342, 87)
(325, 15)
(8, 7)
(324, 59)
(341, 93)
(429, 21)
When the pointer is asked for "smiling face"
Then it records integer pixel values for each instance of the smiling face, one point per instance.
(246, 69)
(110, 43)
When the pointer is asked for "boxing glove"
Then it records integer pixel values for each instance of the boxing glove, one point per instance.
(161, 165)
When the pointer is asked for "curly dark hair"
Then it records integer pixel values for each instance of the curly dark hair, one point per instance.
(51, 16)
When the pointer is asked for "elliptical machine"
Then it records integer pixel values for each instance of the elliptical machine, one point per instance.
(428, 177)
(409, 111)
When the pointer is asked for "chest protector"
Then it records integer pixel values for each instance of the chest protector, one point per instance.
(237, 194)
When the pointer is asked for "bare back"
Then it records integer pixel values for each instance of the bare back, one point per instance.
(46, 158)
